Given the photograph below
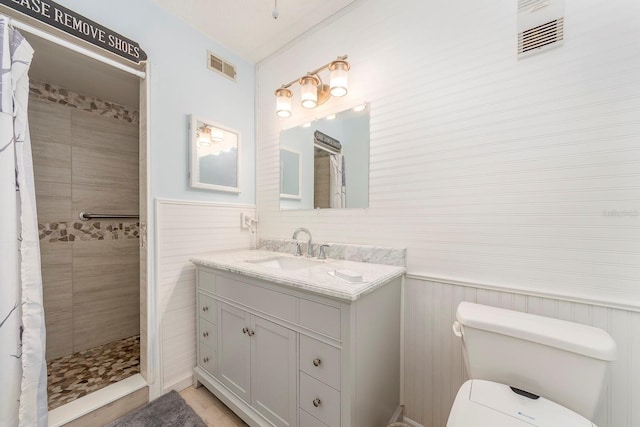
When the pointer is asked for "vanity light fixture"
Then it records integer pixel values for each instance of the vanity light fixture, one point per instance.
(208, 134)
(313, 91)
(204, 135)
(217, 135)
(331, 117)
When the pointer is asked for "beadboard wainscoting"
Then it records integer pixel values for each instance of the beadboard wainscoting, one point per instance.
(186, 229)
(521, 174)
(434, 365)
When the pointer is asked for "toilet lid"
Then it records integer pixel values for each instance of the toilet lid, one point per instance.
(485, 403)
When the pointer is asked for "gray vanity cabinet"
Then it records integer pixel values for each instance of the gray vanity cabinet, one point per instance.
(282, 356)
(257, 360)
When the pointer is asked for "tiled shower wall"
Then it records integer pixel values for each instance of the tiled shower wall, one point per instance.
(85, 154)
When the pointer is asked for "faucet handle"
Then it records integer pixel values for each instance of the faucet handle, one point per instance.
(322, 254)
(298, 249)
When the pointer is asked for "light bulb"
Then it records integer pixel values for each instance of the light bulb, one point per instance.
(283, 102)
(309, 91)
(339, 77)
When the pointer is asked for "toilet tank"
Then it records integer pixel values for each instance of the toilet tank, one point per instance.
(561, 361)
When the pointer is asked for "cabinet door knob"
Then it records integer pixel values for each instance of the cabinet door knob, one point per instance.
(316, 402)
(251, 333)
(205, 360)
(205, 308)
(205, 334)
(245, 330)
(317, 362)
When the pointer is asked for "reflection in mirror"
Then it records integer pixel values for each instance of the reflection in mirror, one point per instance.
(289, 174)
(215, 151)
(333, 159)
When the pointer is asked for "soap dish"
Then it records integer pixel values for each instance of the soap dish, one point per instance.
(347, 275)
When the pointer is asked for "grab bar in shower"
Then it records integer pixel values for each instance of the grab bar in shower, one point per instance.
(85, 216)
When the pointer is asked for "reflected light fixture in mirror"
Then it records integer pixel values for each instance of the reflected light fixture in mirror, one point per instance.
(204, 135)
(313, 91)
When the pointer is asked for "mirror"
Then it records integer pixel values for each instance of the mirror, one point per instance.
(331, 156)
(215, 150)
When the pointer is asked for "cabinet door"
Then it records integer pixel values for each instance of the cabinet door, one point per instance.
(234, 350)
(273, 373)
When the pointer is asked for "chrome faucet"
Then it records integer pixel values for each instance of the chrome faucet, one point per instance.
(309, 247)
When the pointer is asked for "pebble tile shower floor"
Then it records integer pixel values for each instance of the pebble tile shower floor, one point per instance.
(79, 374)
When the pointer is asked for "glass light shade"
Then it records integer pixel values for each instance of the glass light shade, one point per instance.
(283, 102)
(217, 135)
(204, 135)
(309, 91)
(339, 78)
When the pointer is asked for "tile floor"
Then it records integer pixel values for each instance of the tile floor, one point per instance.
(79, 374)
(210, 409)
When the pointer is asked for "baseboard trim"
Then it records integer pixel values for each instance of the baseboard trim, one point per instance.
(178, 385)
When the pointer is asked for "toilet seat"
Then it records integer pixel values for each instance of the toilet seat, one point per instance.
(482, 403)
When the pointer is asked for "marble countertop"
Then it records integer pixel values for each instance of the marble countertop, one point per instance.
(317, 279)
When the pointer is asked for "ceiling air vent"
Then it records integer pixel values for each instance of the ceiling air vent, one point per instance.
(540, 25)
(223, 67)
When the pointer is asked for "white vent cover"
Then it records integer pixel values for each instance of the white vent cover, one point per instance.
(540, 25)
(216, 63)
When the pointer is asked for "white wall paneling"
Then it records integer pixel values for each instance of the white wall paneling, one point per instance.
(186, 229)
(521, 175)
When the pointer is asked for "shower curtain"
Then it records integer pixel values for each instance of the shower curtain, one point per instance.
(23, 374)
(337, 178)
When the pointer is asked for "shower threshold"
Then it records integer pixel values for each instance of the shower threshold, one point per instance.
(77, 375)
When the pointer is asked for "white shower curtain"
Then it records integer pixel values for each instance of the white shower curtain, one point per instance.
(23, 374)
(337, 178)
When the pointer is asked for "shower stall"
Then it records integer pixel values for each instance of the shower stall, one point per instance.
(84, 122)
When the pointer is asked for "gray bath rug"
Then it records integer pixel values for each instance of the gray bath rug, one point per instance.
(169, 410)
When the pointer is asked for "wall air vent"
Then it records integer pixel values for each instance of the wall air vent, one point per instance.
(540, 25)
(216, 63)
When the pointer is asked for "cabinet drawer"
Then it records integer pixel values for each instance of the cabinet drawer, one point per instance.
(320, 360)
(207, 358)
(265, 300)
(307, 420)
(207, 308)
(206, 281)
(208, 333)
(320, 400)
(320, 317)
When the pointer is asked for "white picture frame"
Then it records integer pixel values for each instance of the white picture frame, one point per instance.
(215, 156)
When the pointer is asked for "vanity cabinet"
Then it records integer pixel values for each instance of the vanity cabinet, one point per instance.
(280, 356)
(257, 362)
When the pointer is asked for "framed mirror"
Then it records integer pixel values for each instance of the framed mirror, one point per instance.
(215, 154)
(333, 158)
(290, 174)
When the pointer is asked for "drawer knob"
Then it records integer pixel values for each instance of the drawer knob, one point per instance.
(317, 362)
(205, 334)
(205, 308)
(205, 360)
(316, 402)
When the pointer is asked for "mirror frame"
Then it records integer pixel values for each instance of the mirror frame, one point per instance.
(194, 175)
(287, 195)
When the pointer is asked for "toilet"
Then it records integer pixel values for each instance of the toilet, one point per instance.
(528, 370)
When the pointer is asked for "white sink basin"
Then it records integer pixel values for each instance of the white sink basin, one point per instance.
(286, 263)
